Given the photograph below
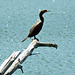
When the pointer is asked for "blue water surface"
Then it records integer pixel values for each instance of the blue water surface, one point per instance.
(16, 19)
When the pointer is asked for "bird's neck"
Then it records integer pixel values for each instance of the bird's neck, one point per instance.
(41, 17)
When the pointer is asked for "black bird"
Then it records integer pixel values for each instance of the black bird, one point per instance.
(35, 29)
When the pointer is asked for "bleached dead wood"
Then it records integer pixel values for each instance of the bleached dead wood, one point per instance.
(22, 57)
(7, 63)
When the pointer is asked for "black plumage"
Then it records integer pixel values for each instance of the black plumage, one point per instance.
(35, 29)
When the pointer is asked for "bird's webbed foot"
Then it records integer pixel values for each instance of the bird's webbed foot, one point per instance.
(36, 38)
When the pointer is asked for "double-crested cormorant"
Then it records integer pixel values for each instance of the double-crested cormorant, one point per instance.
(35, 29)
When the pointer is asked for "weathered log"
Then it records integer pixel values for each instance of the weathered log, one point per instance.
(7, 63)
(22, 57)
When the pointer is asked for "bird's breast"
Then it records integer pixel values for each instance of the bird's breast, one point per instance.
(35, 29)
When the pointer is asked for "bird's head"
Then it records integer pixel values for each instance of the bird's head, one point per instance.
(44, 11)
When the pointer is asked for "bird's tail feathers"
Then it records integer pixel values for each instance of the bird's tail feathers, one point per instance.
(24, 39)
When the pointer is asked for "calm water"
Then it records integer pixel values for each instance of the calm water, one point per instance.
(16, 18)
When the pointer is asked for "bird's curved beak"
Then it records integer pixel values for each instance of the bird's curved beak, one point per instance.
(48, 11)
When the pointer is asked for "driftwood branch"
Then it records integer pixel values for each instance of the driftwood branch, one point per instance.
(7, 63)
(40, 44)
(22, 57)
